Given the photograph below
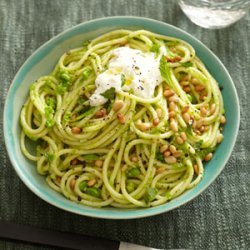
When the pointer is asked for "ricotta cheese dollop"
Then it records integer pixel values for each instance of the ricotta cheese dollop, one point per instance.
(129, 70)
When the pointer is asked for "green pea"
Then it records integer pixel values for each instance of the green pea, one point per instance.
(130, 187)
(83, 186)
(133, 172)
(150, 194)
(96, 192)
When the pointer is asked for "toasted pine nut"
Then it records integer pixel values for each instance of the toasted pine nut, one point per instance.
(174, 98)
(134, 158)
(199, 87)
(208, 157)
(186, 117)
(219, 138)
(198, 132)
(187, 89)
(124, 168)
(121, 118)
(179, 140)
(223, 119)
(202, 128)
(172, 106)
(185, 78)
(185, 109)
(172, 149)
(212, 108)
(196, 169)
(183, 136)
(163, 148)
(118, 105)
(203, 112)
(58, 178)
(159, 112)
(167, 153)
(173, 125)
(194, 124)
(156, 121)
(74, 162)
(160, 170)
(199, 123)
(195, 81)
(72, 184)
(170, 159)
(177, 154)
(143, 126)
(203, 94)
(171, 114)
(184, 83)
(91, 182)
(168, 93)
(100, 113)
(99, 163)
(76, 130)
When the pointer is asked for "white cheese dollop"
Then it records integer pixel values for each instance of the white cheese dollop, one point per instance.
(140, 71)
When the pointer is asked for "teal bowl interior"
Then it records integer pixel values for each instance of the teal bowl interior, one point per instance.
(42, 63)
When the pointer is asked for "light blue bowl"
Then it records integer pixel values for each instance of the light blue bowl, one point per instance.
(42, 63)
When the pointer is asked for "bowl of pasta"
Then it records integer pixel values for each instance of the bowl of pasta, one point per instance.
(119, 118)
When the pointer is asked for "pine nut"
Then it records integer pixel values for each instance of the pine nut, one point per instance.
(203, 94)
(172, 149)
(121, 118)
(194, 124)
(219, 138)
(163, 148)
(179, 140)
(99, 163)
(174, 98)
(208, 157)
(91, 182)
(74, 162)
(183, 136)
(177, 154)
(143, 126)
(159, 112)
(76, 130)
(170, 160)
(72, 184)
(173, 125)
(100, 113)
(124, 168)
(185, 78)
(195, 81)
(172, 106)
(134, 159)
(199, 123)
(118, 105)
(212, 108)
(171, 114)
(160, 170)
(196, 169)
(184, 83)
(167, 153)
(186, 117)
(199, 87)
(203, 112)
(223, 119)
(185, 109)
(168, 93)
(156, 121)
(187, 89)
(202, 128)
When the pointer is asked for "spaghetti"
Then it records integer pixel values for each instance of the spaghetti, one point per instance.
(128, 151)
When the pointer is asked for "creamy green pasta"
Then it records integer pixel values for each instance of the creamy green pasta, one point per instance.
(124, 136)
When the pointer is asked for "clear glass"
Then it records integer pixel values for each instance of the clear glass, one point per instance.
(214, 14)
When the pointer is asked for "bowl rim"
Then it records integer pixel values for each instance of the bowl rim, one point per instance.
(111, 214)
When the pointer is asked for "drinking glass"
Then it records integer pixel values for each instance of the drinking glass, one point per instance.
(214, 14)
